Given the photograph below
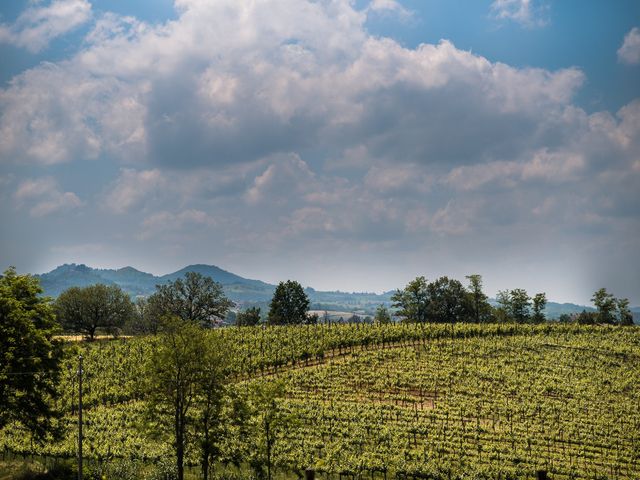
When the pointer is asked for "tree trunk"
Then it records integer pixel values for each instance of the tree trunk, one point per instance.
(205, 452)
(179, 419)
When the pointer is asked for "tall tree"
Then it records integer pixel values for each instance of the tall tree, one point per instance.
(210, 394)
(30, 357)
(270, 421)
(85, 310)
(248, 318)
(479, 301)
(539, 304)
(413, 302)
(625, 317)
(520, 304)
(289, 305)
(184, 383)
(606, 305)
(448, 301)
(196, 298)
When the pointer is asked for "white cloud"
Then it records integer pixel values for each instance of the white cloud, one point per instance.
(38, 25)
(132, 187)
(44, 197)
(284, 125)
(524, 12)
(285, 179)
(285, 75)
(389, 7)
(629, 52)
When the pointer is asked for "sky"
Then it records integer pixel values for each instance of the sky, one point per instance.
(349, 145)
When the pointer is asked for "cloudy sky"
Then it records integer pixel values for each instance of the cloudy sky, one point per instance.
(347, 144)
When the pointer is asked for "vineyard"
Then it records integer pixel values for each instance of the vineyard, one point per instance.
(393, 401)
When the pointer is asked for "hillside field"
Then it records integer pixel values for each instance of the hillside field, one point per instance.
(394, 401)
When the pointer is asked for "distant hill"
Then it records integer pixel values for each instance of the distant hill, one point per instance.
(137, 283)
(241, 290)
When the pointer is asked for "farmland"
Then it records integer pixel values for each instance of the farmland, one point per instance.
(384, 401)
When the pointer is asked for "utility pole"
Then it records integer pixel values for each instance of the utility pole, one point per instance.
(80, 418)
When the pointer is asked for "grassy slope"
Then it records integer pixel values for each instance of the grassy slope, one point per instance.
(556, 397)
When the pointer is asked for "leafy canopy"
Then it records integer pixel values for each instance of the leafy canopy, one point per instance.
(85, 310)
(30, 357)
(196, 299)
(289, 305)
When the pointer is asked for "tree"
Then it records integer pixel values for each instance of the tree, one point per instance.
(413, 302)
(289, 305)
(539, 304)
(625, 317)
(520, 303)
(250, 317)
(196, 299)
(502, 312)
(210, 390)
(146, 318)
(312, 319)
(382, 316)
(30, 356)
(515, 304)
(605, 304)
(586, 318)
(270, 421)
(185, 378)
(481, 309)
(85, 310)
(448, 301)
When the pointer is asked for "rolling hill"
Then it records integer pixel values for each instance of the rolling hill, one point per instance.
(241, 290)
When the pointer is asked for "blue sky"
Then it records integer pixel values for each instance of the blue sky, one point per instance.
(349, 145)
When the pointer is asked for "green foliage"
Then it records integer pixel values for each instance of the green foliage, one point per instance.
(606, 305)
(30, 357)
(625, 317)
(289, 305)
(539, 304)
(209, 401)
(515, 304)
(382, 316)
(481, 309)
(431, 400)
(448, 301)
(612, 310)
(412, 303)
(85, 310)
(147, 317)
(248, 318)
(269, 423)
(183, 368)
(196, 299)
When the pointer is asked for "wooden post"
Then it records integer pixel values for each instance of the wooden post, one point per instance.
(541, 475)
(309, 474)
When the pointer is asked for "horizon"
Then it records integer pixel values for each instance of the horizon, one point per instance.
(275, 282)
(350, 145)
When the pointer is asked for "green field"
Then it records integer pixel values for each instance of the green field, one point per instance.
(423, 401)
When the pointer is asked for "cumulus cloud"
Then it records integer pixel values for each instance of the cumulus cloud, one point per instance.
(132, 187)
(38, 25)
(285, 179)
(266, 84)
(389, 7)
(285, 125)
(524, 12)
(43, 197)
(629, 52)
